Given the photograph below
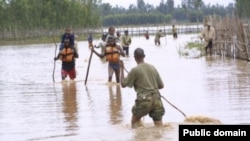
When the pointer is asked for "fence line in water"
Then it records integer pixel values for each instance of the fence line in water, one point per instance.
(133, 30)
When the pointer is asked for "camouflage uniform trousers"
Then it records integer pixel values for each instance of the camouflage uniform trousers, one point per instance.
(149, 104)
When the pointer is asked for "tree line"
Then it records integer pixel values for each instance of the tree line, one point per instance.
(48, 14)
(58, 14)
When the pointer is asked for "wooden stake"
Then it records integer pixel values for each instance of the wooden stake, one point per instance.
(90, 57)
(53, 74)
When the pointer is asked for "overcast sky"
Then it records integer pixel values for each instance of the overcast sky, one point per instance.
(126, 3)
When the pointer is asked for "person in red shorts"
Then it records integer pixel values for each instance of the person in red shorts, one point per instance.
(67, 55)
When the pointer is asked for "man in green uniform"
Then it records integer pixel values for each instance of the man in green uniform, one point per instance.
(174, 30)
(146, 81)
(126, 42)
(158, 35)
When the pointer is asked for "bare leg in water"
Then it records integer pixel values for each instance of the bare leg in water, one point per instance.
(135, 122)
(117, 75)
(158, 123)
(110, 73)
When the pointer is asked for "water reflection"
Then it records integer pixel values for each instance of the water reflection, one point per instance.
(70, 105)
(115, 104)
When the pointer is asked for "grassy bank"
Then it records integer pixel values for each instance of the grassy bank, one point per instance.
(41, 40)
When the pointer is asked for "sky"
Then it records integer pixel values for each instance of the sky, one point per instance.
(126, 3)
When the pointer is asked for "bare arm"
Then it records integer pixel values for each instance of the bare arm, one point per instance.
(99, 55)
(121, 50)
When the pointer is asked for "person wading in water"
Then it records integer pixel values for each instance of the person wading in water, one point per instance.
(174, 31)
(112, 53)
(208, 33)
(146, 81)
(146, 35)
(158, 35)
(67, 55)
(126, 42)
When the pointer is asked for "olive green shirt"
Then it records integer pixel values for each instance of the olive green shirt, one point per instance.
(174, 30)
(144, 78)
(158, 35)
(126, 40)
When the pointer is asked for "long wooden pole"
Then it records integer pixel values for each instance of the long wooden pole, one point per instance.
(87, 74)
(53, 74)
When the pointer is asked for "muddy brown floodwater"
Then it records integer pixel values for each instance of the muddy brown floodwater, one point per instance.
(33, 108)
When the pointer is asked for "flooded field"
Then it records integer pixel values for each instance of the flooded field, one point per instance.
(33, 108)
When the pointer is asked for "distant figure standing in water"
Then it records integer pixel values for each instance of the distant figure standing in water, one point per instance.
(174, 31)
(146, 82)
(208, 33)
(158, 35)
(146, 35)
(126, 42)
(118, 35)
(90, 40)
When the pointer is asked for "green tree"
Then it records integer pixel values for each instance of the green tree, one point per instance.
(170, 6)
(242, 7)
(141, 6)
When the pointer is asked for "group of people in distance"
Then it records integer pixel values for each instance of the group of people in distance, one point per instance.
(159, 34)
(144, 78)
(208, 34)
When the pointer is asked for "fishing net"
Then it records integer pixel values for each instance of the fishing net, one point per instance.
(195, 119)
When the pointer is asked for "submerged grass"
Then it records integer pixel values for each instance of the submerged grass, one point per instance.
(191, 49)
(196, 45)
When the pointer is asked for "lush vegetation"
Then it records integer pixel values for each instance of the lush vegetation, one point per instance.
(242, 8)
(57, 14)
(165, 12)
(48, 14)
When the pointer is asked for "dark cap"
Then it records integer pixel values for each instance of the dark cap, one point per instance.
(126, 31)
(139, 53)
